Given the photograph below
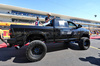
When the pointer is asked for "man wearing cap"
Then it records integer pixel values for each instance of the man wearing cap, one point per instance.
(48, 19)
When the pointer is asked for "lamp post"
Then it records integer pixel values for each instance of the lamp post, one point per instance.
(95, 17)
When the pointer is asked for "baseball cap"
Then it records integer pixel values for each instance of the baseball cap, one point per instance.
(49, 14)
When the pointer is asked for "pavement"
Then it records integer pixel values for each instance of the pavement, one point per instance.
(57, 55)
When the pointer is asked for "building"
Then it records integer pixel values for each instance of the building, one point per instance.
(17, 14)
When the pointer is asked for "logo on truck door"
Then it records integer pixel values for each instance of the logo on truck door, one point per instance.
(66, 32)
(69, 32)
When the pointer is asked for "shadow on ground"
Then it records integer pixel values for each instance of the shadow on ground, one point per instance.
(92, 60)
(19, 56)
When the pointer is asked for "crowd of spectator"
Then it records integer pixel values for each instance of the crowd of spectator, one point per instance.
(96, 32)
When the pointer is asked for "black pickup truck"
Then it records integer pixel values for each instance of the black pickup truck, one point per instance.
(37, 36)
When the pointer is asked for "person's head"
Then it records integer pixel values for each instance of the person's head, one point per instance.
(49, 14)
(37, 18)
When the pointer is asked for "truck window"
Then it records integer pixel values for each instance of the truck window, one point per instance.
(71, 25)
(61, 23)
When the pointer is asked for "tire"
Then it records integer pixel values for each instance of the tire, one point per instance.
(84, 43)
(36, 50)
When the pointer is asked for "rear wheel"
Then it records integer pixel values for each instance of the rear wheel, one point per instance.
(36, 50)
(84, 43)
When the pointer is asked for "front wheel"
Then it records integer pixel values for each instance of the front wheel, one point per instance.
(84, 43)
(36, 50)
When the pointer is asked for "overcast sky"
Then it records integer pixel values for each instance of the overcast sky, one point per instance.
(76, 8)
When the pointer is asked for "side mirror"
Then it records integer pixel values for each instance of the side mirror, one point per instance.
(79, 26)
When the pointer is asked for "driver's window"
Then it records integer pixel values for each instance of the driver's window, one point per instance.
(71, 25)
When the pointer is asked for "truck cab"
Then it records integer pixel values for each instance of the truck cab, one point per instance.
(64, 30)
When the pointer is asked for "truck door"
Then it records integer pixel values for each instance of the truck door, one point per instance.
(60, 30)
(74, 32)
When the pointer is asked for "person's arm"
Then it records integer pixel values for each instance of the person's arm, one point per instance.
(46, 23)
(1, 35)
(46, 19)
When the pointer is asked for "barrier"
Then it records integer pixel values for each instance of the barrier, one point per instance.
(6, 34)
(9, 23)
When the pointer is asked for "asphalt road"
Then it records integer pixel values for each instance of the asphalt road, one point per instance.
(57, 55)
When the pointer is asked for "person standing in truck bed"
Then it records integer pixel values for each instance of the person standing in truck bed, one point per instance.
(37, 21)
(48, 19)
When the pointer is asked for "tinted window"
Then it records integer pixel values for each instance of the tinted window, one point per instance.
(61, 23)
(71, 25)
